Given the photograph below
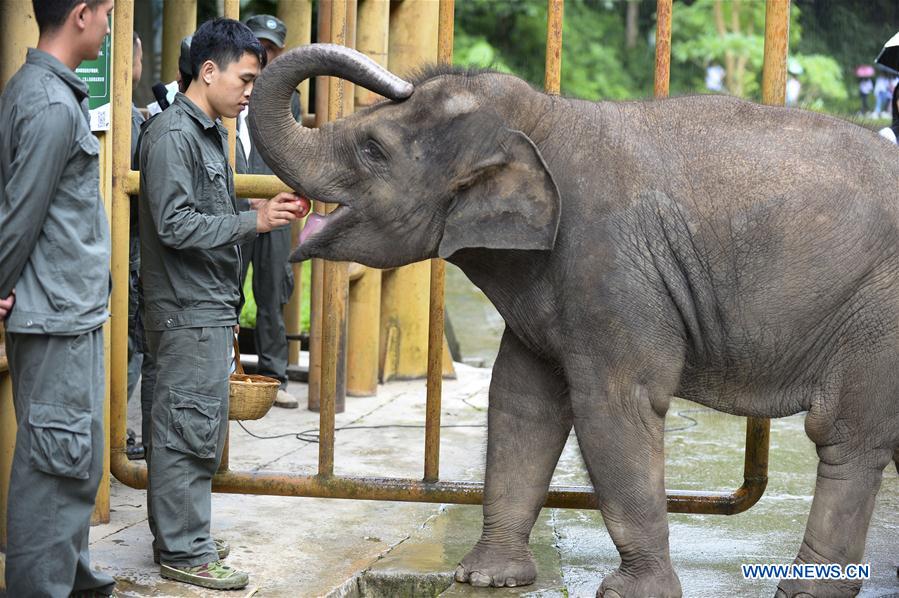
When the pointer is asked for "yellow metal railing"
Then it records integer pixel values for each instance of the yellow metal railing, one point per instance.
(334, 19)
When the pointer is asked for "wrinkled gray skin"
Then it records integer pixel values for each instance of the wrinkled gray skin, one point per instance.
(740, 256)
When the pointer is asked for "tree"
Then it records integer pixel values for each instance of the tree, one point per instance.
(732, 33)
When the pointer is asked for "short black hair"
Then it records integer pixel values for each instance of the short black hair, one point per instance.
(223, 41)
(51, 14)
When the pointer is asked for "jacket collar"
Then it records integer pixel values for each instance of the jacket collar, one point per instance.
(194, 111)
(49, 62)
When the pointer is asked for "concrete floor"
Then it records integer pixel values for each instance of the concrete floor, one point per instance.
(298, 547)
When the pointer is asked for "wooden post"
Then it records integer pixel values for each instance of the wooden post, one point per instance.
(364, 319)
(777, 40)
(405, 291)
(663, 49)
(18, 32)
(552, 78)
(179, 19)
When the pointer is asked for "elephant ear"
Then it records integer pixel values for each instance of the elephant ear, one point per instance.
(507, 200)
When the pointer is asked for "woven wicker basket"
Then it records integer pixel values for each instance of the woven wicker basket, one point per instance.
(249, 396)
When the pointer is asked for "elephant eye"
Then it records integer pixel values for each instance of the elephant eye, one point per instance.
(373, 151)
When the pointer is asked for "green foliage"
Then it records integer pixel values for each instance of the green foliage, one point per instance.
(822, 81)
(247, 318)
(248, 312)
(510, 36)
(735, 37)
(595, 63)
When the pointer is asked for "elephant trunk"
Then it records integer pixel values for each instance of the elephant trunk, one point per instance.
(294, 152)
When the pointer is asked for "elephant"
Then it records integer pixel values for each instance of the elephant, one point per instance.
(741, 256)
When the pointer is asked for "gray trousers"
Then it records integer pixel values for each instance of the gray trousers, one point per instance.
(135, 333)
(190, 420)
(58, 391)
(272, 286)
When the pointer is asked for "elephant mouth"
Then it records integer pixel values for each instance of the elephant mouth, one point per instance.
(316, 223)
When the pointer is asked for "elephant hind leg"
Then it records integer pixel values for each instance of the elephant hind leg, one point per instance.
(896, 459)
(851, 461)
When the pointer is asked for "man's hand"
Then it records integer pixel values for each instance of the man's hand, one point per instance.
(280, 210)
(6, 305)
(256, 202)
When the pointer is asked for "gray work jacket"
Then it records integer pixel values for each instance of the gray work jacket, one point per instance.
(54, 235)
(189, 225)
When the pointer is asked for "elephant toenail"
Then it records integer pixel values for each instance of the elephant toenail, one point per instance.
(461, 575)
(479, 580)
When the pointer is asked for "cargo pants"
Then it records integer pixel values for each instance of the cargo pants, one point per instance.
(58, 391)
(189, 421)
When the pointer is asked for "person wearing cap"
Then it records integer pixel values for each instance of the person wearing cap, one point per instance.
(272, 274)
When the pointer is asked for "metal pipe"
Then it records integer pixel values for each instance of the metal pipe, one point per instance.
(335, 280)
(663, 48)
(317, 278)
(437, 293)
(232, 11)
(325, 485)
(297, 17)
(470, 493)
(552, 80)
(272, 483)
(245, 185)
(122, 177)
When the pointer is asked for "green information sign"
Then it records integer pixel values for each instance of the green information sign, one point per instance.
(97, 75)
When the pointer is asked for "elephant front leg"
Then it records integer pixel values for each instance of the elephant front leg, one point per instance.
(529, 420)
(620, 431)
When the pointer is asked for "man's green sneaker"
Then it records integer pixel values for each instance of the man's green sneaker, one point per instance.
(222, 549)
(216, 575)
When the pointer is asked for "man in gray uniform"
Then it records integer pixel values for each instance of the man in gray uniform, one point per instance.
(54, 251)
(190, 262)
(272, 274)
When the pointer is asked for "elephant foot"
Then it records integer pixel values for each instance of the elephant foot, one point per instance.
(818, 588)
(663, 584)
(496, 566)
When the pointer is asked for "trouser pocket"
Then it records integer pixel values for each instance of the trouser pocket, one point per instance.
(60, 440)
(287, 284)
(194, 423)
